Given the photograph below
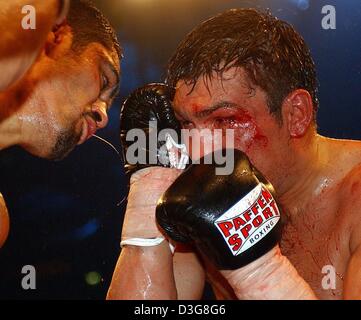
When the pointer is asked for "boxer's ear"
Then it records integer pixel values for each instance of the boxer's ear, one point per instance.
(298, 112)
(58, 42)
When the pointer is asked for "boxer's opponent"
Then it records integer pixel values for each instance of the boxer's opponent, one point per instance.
(247, 71)
(64, 97)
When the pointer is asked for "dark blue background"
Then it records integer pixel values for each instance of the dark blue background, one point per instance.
(66, 217)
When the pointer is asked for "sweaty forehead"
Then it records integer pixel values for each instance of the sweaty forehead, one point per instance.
(232, 86)
(98, 52)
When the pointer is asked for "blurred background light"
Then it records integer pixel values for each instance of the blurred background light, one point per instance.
(93, 278)
(301, 4)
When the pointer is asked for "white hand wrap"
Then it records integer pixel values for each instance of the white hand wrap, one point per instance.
(146, 187)
(141, 242)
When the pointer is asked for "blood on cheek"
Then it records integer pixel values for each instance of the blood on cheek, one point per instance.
(246, 131)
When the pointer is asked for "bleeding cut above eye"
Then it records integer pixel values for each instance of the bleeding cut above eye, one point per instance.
(232, 123)
(232, 119)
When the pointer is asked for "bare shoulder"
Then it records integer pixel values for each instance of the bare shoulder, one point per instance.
(345, 161)
(350, 204)
(4, 221)
(350, 185)
(348, 151)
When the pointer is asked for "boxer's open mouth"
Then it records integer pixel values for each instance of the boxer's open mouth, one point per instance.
(89, 128)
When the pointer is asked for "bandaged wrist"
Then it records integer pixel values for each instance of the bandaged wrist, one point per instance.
(141, 242)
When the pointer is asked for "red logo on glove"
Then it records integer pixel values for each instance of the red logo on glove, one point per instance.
(249, 220)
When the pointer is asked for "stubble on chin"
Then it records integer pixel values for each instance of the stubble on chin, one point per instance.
(66, 142)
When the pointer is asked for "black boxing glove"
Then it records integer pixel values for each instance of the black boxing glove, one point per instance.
(231, 219)
(149, 135)
(149, 110)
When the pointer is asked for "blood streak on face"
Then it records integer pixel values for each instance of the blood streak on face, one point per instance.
(226, 103)
(246, 131)
(195, 108)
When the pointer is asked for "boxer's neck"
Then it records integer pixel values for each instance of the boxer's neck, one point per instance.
(10, 132)
(305, 174)
(11, 104)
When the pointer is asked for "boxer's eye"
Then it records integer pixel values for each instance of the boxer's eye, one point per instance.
(222, 122)
(105, 83)
(186, 124)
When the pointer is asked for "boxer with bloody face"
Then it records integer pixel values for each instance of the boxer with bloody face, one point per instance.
(250, 72)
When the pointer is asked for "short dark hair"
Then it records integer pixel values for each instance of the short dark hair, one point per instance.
(89, 25)
(274, 55)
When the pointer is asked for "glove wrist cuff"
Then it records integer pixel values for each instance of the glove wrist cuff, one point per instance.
(271, 276)
(255, 272)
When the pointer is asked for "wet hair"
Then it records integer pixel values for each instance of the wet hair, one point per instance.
(274, 56)
(90, 25)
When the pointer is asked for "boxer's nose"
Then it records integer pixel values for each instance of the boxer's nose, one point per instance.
(201, 141)
(99, 110)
